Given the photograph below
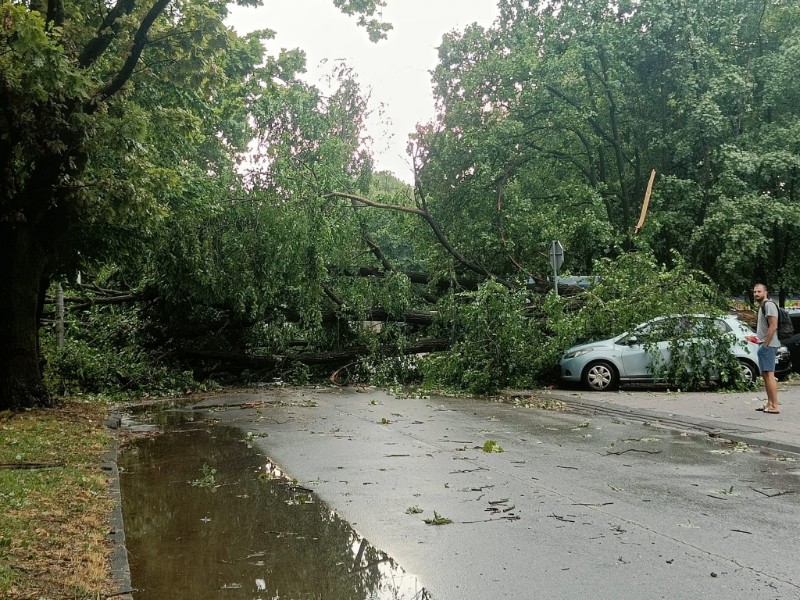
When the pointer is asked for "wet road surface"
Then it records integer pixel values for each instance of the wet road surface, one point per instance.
(572, 507)
(206, 517)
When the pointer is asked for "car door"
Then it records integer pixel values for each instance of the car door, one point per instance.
(645, 342)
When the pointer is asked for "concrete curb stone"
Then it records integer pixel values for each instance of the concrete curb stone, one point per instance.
(116, 534)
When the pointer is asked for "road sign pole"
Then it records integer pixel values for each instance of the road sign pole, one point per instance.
(556, 259)
(555, 279)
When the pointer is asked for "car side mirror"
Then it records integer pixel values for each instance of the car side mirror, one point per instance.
(632, 341)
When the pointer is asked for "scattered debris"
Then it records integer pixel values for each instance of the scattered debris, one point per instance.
(468, 471)
(727, 492)
(492, 446)
(497, 510)
(55, 465)
(775, 495)
(438, 520)
(208, 479)
(560, 518)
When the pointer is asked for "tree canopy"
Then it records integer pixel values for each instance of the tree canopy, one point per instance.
(551, 122)
(165, 157)
(114, 116)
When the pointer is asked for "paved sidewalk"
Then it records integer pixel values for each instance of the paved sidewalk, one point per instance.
(721, 414)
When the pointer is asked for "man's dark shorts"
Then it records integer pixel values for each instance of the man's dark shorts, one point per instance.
(766, 358)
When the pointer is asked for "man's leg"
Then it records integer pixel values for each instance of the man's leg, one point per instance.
(771, 385)
(766, 364)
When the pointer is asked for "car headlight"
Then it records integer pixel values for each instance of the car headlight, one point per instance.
(576, 353)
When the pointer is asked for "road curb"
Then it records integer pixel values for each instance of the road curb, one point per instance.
(120, 568)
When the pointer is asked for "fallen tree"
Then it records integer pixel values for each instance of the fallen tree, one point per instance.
(215, 361)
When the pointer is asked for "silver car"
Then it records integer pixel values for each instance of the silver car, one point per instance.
(603, 365)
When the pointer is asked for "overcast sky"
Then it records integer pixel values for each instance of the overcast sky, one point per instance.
(394, 72)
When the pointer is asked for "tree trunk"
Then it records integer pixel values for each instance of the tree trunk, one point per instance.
(333, 358)
(22, 265)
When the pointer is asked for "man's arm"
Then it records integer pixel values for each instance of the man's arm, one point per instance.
(772, 328)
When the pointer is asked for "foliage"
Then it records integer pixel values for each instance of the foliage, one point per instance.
(438, 519)
(105, 353)
(632, 289)
(550, 122)
(233, 262)
(492, 346)
(508, 339)
(208, 480)
(490, 446)
(204, 178)
(697, 350)
(114, 118)
(396, 371)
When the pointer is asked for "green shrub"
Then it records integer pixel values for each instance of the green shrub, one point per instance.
(494, 342)
(104, 352)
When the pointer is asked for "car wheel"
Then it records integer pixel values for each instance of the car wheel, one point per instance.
(749, 370)
(600, 376)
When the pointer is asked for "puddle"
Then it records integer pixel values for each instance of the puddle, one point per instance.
(208, 517)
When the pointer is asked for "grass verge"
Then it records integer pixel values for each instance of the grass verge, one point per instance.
(54, 504)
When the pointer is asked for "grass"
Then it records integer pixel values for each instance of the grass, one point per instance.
(54, 504)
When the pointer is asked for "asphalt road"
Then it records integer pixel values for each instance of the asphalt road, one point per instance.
(731, 415)
(585, 504)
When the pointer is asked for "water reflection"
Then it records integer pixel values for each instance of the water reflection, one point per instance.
(207, 517)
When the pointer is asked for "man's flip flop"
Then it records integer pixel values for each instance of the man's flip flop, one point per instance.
(762, 409)
(772, 412)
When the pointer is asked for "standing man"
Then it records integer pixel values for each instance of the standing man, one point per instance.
(768, 344)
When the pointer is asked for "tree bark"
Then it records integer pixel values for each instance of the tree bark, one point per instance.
(37, 206)
(334, 358)
(22, 266)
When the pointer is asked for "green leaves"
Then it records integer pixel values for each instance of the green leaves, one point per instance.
(438, 520)
(551, 121)
(491, 446)
(366, 9)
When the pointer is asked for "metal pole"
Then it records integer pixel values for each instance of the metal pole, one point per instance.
(59, 316)
(555, 280)
(555, 268)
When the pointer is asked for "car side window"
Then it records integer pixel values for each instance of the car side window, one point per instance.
(722, 326)
(642, 334)
(665, 329)
(708, 327)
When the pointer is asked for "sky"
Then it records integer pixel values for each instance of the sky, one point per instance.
(395, 72)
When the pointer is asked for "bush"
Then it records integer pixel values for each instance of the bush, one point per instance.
(494, 342)
(104, 353)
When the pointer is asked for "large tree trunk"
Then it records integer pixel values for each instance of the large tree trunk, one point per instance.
(22, 266)
(233, 361)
